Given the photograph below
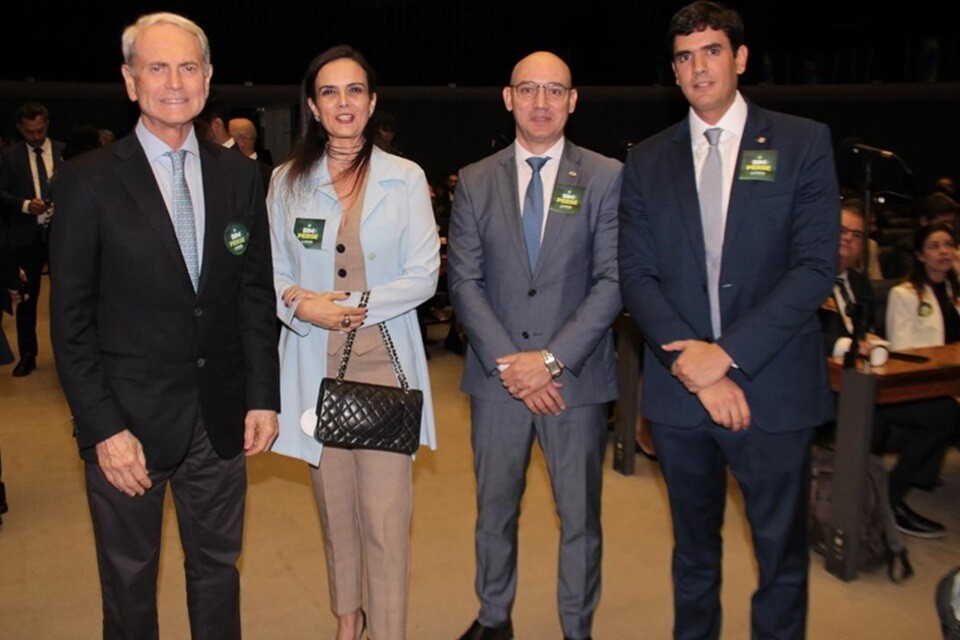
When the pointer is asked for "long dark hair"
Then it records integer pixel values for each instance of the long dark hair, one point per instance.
(918, 271)
(311, 142)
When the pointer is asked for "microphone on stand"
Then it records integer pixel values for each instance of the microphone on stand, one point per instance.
(857, 146)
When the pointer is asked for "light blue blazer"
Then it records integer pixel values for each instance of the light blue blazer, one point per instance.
(399, 237)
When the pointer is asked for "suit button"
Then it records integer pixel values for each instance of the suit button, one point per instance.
(342, 273)
(532, 292)
(341, 248)
(200, 363)
(525, 334)
(198, 312)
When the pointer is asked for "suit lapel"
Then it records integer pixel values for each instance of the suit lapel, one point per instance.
(374, 192)
(568, 173)
(216, 186)
(755, 137)
(685, 187)
(137, 178)
(505, 184)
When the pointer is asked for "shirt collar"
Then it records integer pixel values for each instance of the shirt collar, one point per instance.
(154, 147)
(553, 152)
(733, 121)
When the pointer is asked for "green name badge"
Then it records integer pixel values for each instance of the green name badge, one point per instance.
(566, 199)
(309, 232)
(759, 165)
(236, 237)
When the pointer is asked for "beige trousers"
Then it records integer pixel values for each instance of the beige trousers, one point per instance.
(365, 499)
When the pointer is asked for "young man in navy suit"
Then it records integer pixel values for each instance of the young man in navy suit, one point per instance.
(728, 244)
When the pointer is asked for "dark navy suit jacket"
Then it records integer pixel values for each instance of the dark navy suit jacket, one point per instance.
(778, 265)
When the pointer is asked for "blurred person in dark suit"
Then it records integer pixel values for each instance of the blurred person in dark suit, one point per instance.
(26, 169)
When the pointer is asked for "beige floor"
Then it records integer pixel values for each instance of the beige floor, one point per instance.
(48, 579)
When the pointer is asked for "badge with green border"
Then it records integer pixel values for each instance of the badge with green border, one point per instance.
(566, 199)
(759, 165)
(309, 232)
(237, 238)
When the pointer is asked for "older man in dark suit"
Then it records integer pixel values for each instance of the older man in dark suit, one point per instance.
(728, 237)
(26, 169)
(163, 325)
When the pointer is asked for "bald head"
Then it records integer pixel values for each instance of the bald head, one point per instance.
(541, 98)
(540, 62)
(244, 133)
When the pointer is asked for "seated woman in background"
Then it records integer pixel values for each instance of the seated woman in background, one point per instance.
(922, 312)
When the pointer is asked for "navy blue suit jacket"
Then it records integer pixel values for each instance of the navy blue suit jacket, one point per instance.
(778, 265)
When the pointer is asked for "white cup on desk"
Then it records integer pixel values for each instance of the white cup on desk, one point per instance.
(879, 352)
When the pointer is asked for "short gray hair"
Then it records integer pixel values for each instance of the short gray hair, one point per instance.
(129, 37)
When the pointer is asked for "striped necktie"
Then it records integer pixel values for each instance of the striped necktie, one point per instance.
(710, 195)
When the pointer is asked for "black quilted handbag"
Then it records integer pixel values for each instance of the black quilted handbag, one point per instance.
(358, 415)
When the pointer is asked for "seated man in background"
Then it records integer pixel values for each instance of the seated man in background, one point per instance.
(921, 431)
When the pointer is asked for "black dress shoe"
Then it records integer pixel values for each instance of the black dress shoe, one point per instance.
(3, 499)
(913, 524)
(27, 364)
(479, 632)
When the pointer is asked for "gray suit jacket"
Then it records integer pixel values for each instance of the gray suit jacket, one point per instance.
(566, 304)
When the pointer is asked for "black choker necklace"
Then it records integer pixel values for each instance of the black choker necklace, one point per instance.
(343, 153)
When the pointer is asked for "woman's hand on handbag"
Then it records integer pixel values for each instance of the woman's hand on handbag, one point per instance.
(322, 310)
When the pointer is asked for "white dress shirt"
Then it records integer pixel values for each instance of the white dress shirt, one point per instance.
(732, 123)
(162, 166)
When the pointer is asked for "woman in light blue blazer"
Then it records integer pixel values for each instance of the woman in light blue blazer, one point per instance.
(345, 216)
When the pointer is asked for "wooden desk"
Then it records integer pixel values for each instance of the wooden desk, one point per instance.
(860, 390)
(901, 381)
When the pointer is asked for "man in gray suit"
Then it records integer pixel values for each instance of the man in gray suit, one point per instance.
(533, 278)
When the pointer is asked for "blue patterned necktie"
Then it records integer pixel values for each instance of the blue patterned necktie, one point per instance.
(533, 210)
(184, 223)
(710, 194)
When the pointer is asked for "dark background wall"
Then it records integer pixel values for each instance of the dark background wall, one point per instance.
(891, 78)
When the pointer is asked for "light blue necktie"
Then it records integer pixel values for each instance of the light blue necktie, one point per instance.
(710, 194)
(533, 211)
(184, 223)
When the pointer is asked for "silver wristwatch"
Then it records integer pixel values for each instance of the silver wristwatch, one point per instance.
(550, 362)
